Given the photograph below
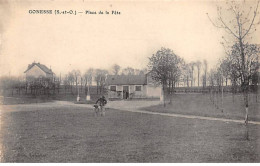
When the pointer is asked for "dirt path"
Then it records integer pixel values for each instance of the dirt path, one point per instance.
(135, 106)
(190, 116)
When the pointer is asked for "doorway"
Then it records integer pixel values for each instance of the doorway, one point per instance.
(125, 92)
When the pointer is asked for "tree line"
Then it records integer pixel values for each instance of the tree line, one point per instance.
(32, 86)
(74, 82)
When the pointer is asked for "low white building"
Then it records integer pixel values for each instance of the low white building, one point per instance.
(132, 87)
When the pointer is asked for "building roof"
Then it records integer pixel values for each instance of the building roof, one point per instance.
(126, 80)
(41, 66)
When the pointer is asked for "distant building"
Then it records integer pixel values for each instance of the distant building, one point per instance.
(37, 70)
(132, 87)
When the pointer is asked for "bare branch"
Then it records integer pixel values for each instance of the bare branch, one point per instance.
(225, 49)
(239, 24)
(234, 11)
(248, 12)
(255, 13)
(213, 22)
(226, 27)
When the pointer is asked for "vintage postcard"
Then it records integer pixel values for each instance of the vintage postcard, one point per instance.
(127, 81)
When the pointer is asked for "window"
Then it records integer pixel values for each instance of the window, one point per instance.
(112, 88)
(138, 88)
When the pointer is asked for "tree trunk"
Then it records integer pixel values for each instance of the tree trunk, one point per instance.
(222, 98)
(26, 86)
(85, 89)
(244, 79)
(97, 87)
(171, 91)
(198, 78)
(191, 78)
(206, 78)
(233, 97)
(71, 88)
(226, 81)
(164, 104)
(54, 88)
(187, 81)
(213, 96)
(246, 107)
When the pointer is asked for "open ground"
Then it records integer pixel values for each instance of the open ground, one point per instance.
(66, 132)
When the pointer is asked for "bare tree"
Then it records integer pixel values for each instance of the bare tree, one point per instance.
(205, 65)
(215, 83)
(77, 76)
(255, 82)
(71, 80)
(100, 79)
(239, 23)
(66, 83)
(143, 71)
(186, 74)
(88, 79)
(137, 71)
(198, 65)
(225, 67)
(221, 74)
(211, 83)
(128, 71)
(115, 69)
(192, 64)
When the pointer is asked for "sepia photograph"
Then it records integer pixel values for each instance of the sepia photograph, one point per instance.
(128, 81)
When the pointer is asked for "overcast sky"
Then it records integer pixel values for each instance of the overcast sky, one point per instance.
(67, 42)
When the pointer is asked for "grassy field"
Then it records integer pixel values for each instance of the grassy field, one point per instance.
(42, 133)
(11, 97)
(28, 99)
(201, 105)
(24, 100)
